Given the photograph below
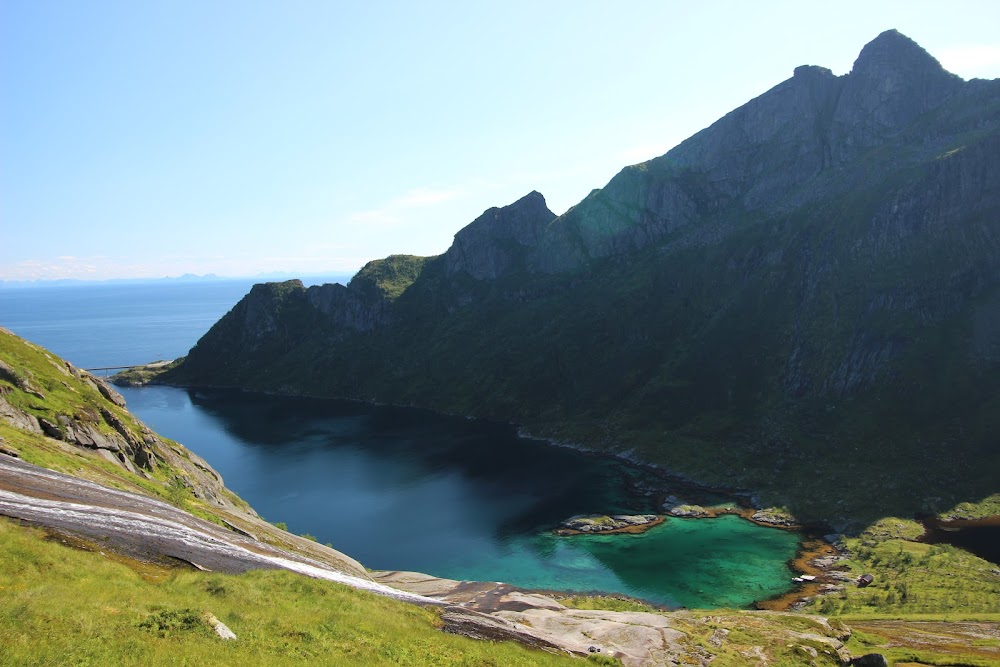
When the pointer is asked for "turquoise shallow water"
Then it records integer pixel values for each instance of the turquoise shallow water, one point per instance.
(722, 562)
(725, 562)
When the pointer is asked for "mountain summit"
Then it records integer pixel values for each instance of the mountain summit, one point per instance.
(892, 82)
(493, 243)
(802, 299)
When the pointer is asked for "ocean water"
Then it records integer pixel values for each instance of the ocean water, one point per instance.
(405, 489)
(107, 324)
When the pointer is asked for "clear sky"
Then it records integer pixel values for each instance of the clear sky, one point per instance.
(149, 139)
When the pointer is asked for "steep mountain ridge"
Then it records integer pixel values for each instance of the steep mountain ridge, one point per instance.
(757, 158)
(812, 278)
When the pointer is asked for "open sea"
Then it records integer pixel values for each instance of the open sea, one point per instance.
(107, 324)
(399, 488)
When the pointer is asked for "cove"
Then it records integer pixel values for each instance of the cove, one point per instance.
(980, 537)
(406, 489)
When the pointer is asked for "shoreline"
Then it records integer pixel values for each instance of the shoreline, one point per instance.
(746, 507)
(811, 549)
(634, 529)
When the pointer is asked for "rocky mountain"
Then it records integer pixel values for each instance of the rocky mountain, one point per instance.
(802, 299)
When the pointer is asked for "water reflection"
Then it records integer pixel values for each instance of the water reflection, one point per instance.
(518, 484)
(407, 489)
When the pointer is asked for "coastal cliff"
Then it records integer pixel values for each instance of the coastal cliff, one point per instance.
(810, 282)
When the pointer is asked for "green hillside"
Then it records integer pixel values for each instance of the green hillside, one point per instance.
(66, 606)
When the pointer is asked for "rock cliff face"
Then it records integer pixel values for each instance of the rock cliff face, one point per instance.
(768, 156)
(79, 410)
(495, 242)
(814, 274)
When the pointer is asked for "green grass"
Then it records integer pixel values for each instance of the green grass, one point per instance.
(925, 642)
(65, 606)
(988, 506)
(762, 638)
(388, 278)
(912, 578)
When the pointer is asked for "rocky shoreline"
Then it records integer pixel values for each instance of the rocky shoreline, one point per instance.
(817, 566)
(816, 563)
(609, 524)
(745, 506)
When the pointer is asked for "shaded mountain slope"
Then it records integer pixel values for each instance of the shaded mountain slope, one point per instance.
(802, 299)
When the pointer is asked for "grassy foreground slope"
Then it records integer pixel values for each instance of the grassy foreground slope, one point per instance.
(66, 601)
(67, 606)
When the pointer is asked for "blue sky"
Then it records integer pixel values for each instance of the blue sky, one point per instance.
(150, 139)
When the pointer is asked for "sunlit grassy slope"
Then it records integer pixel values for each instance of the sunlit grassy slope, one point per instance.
(65, 606)
(71, 606)
(913, 578)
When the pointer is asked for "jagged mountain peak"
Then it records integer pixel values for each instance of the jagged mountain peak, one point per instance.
(531, 205)
(532, 197)
(894, 50)
(494, 242)
(893, 81)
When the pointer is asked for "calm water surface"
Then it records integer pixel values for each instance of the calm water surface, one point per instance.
(396, 488)
(410, 490)
(118, 325)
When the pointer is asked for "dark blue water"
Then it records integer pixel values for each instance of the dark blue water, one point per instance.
(399, 488)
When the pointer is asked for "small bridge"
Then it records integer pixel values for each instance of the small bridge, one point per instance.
(114, 368)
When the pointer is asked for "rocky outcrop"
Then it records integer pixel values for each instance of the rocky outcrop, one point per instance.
(365, 304)
(90, 416)
(89, 430)
(149, 529)
(690, 512)
(496, 242)
(220, 628)
(892, 83)
(637, 639)
(18, 379)
(18, 418)
(602, 523)
(347, 309)
(774, 517)
(106, 390)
